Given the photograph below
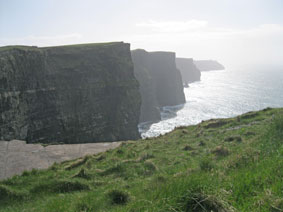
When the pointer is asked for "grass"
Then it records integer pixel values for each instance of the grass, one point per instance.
(231, 164)
(118, 197)
(22, 47)
(84, 45)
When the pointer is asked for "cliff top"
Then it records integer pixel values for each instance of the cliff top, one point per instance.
(86, 45)
(184, 58)
(208, 65)
(155, 52)
(230, 164)
(23, 47)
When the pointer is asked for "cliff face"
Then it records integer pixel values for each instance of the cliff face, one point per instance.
(143, 72)
(70, 94)
(168, 79)
(208, 65)
(190, 73)
(160, 82)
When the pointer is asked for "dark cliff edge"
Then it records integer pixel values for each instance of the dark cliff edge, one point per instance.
(69, 94)
(160, 82)
(190, 73)
(208, 65)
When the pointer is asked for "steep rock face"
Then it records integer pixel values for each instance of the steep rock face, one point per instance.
(168, 79)
(190, 73)
(142, 69)
(208, 65)
(70, 94)
(160, 82)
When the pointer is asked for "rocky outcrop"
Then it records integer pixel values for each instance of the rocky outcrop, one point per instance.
(190, 73)
(160, 82)
(68, 94)
(208, 65)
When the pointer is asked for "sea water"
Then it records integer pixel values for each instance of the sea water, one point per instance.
(221, 94)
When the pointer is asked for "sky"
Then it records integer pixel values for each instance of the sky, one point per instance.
(234, 32)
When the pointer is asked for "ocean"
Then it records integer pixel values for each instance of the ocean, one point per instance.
(221, 94)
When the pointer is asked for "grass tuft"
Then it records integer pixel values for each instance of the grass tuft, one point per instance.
(82, 174)
(120, 151)
(206, 164)
(77, 163)
(233, 138)
(117, 169)
(278, 124)
(145, 157)
(150, 168)
(118, 197)
(198, 202)
(216, 123)
(12, 194)
(60, 186)
(221, 151)
(188, 148)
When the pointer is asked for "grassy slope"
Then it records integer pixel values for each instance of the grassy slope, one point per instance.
(219, 165)
(22, 47)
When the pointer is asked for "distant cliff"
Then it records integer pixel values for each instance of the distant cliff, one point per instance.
(70, 94)
(143, 72)
(160, 82)
(190, 73)
(208, 65)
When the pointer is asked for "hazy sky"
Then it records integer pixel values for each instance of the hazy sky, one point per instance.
(231, 31)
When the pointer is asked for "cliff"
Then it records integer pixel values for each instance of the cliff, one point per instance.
(160, 82)
(70, 94)
(190, 73)
(143, 73)
(208, 65)
(168, 79)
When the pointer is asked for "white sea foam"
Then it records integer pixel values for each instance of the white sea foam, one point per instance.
(221, 94)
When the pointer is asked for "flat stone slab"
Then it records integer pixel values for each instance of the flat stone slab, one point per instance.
(17, 156)
(3, 146)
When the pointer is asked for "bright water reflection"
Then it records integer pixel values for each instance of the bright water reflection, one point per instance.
(221, 94)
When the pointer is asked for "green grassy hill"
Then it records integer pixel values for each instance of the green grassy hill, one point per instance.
(219, 165)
